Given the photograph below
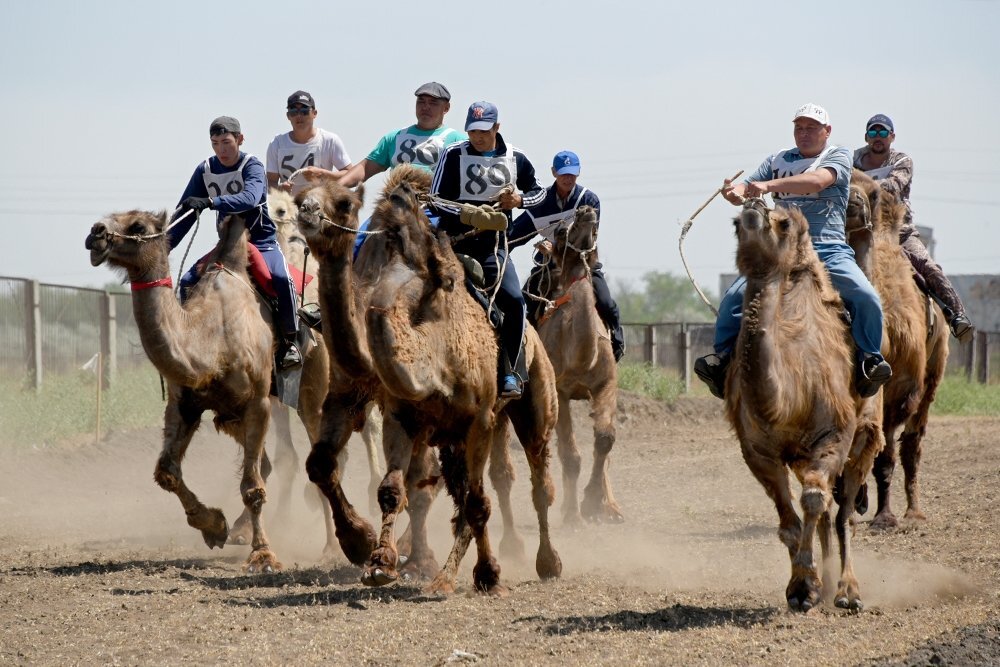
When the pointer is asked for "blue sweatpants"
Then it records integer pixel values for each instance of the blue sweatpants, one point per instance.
(860, 298)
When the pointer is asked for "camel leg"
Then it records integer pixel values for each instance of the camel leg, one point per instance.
(252, 431)
(885, 465)
(380, 568)
(181, 419)
(356, 536)
(773, 476)
(910, 450)
(598, 500)
(529, 416)
(420, 494)
(486, 572)
(569, 456)
(371, 434)
(502, 476)
(805, 588)
(456, 481)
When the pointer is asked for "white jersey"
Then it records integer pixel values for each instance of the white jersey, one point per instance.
(482, 178)
(229, 183)
(325, 150)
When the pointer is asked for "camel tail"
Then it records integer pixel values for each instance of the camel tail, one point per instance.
(232, 249)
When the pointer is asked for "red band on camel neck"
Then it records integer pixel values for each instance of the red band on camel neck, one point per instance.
(162, 282)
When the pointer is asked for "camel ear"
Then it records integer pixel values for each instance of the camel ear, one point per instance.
(360, 193)
(874, 196)
(161, 218)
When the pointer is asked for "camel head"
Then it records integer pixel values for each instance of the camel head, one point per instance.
(328, 217)
(863, 201)
(770, 241)
(134, 241)
(576, 241)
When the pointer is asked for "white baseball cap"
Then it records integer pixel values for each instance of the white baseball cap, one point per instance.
(813, 111)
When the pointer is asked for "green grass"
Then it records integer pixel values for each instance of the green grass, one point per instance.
(958, 396)
(66, 406)
(651, 381)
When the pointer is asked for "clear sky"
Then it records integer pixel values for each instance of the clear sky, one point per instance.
(106, 105)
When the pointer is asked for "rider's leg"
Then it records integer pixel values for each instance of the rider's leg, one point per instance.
(608, 310)
(939, 286)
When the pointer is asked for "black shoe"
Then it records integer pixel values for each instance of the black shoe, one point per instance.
(961, 328)
(510, 387)
(289, 357)
(712, 371)
(873, 372)
(617, 348)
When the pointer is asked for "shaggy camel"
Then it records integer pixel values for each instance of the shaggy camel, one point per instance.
(579, 347)
(412, 337)
(791, 400)
(216, 353)
(916, 344)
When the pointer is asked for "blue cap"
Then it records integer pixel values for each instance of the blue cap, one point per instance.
(566, 162)
(482, 116)
(880, 119)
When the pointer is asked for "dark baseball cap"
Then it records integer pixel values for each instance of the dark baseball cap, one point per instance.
(434, 89)
(481, 116)
(880, 119)
(224, 125)
(301, 97)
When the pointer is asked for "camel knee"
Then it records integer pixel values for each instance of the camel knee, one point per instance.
(477, 508)
(391, 495)
(321, 467)
(814, 501)
(167, 475)
(603, 442)
(543, 495)
(254, 499)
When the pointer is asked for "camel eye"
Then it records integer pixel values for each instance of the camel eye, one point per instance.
(344, 207)
(136, 229)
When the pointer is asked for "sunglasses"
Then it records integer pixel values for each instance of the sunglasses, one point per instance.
(877, 133)
(299, 111)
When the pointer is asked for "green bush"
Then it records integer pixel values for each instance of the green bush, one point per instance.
(958, 396)
(66, 406)
(649, 380)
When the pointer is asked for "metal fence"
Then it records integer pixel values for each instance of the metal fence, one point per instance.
(675, 345)
(47, 328)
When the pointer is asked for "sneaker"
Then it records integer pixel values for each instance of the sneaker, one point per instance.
(511, 387)
(291, 357)
(873, 372)
(712, 371)
(961, 328)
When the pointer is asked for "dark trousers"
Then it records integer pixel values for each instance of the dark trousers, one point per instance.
(932, 273)
(511, 303)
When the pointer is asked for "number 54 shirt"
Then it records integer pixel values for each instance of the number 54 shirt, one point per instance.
(325, 150)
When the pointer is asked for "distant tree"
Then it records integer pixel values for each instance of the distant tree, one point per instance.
(664, 297)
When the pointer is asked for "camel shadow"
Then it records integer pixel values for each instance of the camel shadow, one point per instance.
(340, 575)
(145, 566)
(677, 618)
(355, 598)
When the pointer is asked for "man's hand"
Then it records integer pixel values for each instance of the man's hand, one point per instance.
(509, 200)
(758, 188)
(198, 204)
(733, 193)
(315, 173)
(545, 247)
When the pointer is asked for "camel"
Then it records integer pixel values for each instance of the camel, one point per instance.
(410, 336)
(579, 347)
(215, 353)
(916, 344)
(791, 400)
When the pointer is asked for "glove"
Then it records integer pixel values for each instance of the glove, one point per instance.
(198, 204)
(483, 217)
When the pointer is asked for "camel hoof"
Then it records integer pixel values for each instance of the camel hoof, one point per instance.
(841, 602)
(498, 591)
(214, 528)
(441, 585)
(261, 562)
(884, 522)
(377, 577)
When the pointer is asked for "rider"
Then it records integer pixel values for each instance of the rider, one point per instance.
(814, 176)
(564, 195)
(313, 151)
(233, 182)
(481, 170)
(894, 172)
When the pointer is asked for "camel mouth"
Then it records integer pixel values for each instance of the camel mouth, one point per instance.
(99, 248)
(308, 219)
(752, 220)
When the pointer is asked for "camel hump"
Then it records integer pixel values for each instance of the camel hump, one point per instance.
(231, 252)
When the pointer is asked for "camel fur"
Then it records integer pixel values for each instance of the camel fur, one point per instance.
(410, 336)
(915, 344)
(215, 353)
(791, 400)
(579, 347)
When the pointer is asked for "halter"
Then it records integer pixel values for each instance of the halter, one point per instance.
(866, 214)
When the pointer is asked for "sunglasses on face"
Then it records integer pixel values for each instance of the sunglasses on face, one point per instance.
(299, 111)
(877, 133)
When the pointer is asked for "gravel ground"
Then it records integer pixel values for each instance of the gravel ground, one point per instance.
(99, 566)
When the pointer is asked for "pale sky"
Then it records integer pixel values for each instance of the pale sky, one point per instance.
(106, 105)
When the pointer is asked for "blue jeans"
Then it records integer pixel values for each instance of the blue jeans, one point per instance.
(860, 298)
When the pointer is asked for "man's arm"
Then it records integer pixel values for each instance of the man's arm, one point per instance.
(899, 176)
(799, 184)
(253, 191)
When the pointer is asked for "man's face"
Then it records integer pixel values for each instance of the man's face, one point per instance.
(879, 144)
(484, 140)
(227, 147)
(564, 182)
(811, 136)
(431, 111)
(301, 117)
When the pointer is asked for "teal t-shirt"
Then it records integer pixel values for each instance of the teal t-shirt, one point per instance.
(411, 145)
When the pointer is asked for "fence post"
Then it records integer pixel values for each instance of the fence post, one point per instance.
(33, 331)
(649, 345)
(109, 333)
(684, 356)
(983, 352)
(969, 350)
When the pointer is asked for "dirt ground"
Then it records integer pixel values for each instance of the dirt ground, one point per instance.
(98, 566)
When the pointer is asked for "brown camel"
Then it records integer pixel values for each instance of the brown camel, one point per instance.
(791, 400)
(410, 335)
(216, 353)
(916, 344)
(579, 347)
